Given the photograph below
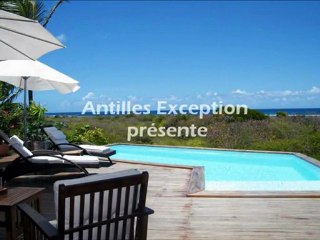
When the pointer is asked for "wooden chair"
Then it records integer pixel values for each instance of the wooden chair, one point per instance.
(102, 206)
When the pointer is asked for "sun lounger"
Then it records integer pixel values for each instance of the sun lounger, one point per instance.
(28, 162)
(58, 138)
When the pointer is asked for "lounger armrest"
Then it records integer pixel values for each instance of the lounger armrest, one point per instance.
(46, 152)
(148, 211)
(62, 158)
(70, 144)
(34, 221)
(84, 151)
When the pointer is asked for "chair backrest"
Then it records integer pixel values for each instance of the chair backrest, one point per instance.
(102, 206)
(16, 144)
(56, 136)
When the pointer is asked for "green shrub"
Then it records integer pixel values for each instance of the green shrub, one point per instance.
(311, 145)
(11, 118)
(95, 136)
(298, 134)
(282, 114)
(36, 120)
(84, 134)
(243, 115)
(143, 140)
(287, 145)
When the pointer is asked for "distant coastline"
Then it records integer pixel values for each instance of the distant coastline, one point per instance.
(268, 112)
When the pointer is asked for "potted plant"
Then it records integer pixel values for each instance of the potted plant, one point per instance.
(10, 123)
(4, 149)
(36, 119)
(10, 114)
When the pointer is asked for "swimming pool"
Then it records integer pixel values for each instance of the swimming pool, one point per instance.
(233, 170)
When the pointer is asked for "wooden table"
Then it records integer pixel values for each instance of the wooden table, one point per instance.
(8, 202)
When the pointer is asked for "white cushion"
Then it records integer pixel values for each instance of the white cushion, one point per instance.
(42, 159)
(59, 141)
(17, 144)
(76, 159)
(82, 159)
(96, 148)
(54, 223)
(58, 137)
(54, 133)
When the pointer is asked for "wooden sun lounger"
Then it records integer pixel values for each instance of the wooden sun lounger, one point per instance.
(23, 164)
(63, 145)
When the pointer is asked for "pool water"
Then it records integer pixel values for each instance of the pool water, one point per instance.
(233, 170)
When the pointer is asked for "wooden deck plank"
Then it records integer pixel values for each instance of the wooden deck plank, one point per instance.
(180, 217)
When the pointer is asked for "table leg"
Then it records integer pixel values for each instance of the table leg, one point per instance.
(11, 223)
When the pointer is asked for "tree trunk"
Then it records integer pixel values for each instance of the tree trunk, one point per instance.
(30, 93)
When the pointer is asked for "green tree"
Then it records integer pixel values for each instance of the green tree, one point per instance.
(282, 114)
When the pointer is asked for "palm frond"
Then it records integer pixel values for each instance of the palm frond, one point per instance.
(33, 9)
(8, 92)
(53, 9)
(9, 6)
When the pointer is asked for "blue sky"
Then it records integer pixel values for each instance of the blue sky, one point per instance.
(263, 54)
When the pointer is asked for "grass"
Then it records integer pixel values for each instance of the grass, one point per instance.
(296, 134)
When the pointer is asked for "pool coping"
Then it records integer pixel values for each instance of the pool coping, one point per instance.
(196, 186)
(205, 148)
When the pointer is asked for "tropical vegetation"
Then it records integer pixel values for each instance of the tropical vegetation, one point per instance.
(10, 112)
(282, 133)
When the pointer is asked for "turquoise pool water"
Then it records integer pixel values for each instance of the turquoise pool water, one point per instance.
(233, 170)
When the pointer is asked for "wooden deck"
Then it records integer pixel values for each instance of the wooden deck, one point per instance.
(180, 217)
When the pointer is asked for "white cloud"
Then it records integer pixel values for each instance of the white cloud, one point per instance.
(280, 97)
(287, 93)
(170, 98)
(132, 98)
(262, 93)
(89, 95)
(240, 92)
(62, 38)
(277, 94)
(314, 90)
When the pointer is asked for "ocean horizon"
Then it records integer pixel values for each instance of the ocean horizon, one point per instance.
(266, 111)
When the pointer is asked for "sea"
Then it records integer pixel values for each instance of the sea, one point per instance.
(268, 112)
